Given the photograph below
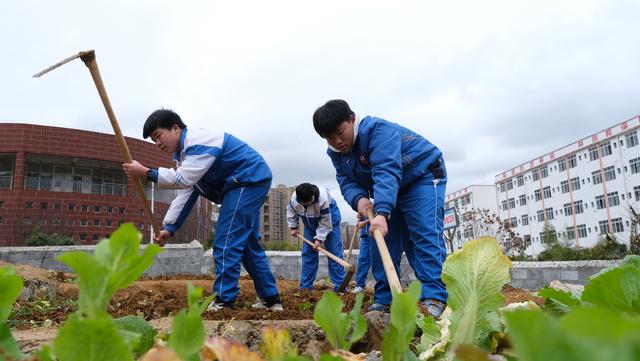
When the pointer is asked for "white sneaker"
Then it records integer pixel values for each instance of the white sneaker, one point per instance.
(261, 305)
(357, 289)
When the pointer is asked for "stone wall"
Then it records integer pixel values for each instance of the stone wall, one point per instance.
(190, 259)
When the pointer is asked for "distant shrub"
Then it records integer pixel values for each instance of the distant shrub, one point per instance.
(280, 246)
(39, 238)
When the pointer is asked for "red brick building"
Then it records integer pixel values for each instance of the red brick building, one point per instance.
(70, 182)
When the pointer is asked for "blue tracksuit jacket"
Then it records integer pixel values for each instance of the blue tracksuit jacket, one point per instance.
(321, 222)
(406, 176)
(225, 170)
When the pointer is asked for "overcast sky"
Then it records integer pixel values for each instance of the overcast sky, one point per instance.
(492, 83)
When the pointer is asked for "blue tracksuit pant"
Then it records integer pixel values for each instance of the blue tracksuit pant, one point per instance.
(333, 244)
(236, 241)
(416, 226)
(364, 258)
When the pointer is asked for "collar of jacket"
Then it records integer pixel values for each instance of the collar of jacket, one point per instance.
(183, 136)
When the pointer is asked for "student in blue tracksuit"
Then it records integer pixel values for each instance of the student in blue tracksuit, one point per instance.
(406, 176)
(321, 218)
(227, 171)
(364, 259)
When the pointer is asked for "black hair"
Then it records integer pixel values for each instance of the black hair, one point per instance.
(328, 118)
(305, 192)
(161, 118)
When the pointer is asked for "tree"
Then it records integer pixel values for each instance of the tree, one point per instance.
(634, 233)
(478, 223)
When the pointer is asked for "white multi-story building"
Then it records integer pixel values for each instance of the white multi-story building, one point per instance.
(583, 189)
(473, 197)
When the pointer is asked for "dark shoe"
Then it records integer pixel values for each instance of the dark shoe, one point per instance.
(379, 307)
(434, 307)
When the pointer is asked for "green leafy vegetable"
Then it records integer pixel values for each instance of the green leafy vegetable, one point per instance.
(141, 327)
(10, 287)
(115, 265)
(187, 329)
(617, 288)
(341, 329)
(583, 334)
(402, 325)
(474, 279)
(558, 302)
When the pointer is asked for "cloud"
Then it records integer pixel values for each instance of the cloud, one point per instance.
(492, 83)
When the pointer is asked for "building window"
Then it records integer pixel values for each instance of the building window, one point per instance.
(96, 209)
(575, 183)
(600, 202)
(6, 170)
(524, 220)
(28, 204)
(605, 148)
(547, 192)
(109, 223)
(43, 205)
(636, 192)
(57, 205)
(56, 222)
(502, 187)
(71, 207)
(572, 161)
(540, 215)
(613, 199)
(549, 212)
(83, 222)
(564, 185)
(604, 227)
(635, 165)
(510, 184)
(28, 220)
(616, 224)
(523, 200)
(568, 210)
(570, 233)
(513, 222)
(596, 177)
(1, 204)
(504, 205)
(121, 210)
(70, 222)
(578, 206)
(582, 230)
(609, 173)
(593, 153)
(544, 171)
(109, 209)
(96, 222)
(520, 180)
(538, 194)
(632, 139)
(95, 237)
(535, 174)
(562, 165)
(512, 203)
(85, 208)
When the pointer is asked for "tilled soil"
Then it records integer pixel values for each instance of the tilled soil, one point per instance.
(157, 297)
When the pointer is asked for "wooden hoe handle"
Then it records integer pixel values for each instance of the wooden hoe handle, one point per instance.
(327, 253)
(389, 269)
(89, 59)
